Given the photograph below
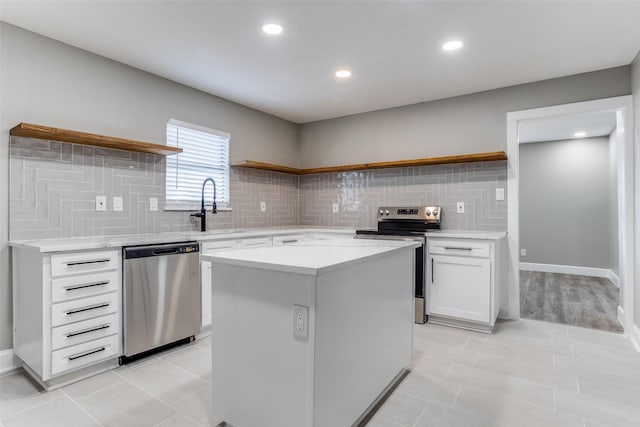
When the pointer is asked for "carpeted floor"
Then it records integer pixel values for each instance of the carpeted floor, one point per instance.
(585, 301)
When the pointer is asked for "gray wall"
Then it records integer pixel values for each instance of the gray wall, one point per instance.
(46, 82)
(461, 125)
(564, 209)
(635, 85)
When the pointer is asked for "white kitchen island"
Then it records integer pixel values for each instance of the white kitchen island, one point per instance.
(275, 366)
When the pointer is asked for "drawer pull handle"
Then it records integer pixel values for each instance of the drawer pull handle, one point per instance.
(86, 331)
(88, 285)
(94, 307)
(89, 353)
(457, 248)
(93, 261)
(289, 241)
(431, 269)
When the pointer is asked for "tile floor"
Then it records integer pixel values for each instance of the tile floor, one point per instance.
(528, 373)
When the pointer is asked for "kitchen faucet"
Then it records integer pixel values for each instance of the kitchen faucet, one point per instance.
(203, 213)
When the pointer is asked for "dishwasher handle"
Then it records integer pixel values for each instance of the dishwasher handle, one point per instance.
(165, 251)
(146, 251)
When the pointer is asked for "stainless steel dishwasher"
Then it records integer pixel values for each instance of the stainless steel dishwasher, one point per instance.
(162, 297)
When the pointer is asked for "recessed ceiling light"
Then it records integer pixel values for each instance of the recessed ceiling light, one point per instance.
(272, 29)
(343, 74)
(580, 134)
(452, 45)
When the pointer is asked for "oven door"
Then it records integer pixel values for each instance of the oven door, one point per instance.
(420, 314)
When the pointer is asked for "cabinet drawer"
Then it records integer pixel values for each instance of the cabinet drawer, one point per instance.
(87, 330)
(84, 354)
(460, 247)
(83, 262)
(217, 246)
(257, 242)
(85, 308)
(71, 287)
(287, 240)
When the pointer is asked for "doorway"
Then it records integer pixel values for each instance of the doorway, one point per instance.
(573, 267)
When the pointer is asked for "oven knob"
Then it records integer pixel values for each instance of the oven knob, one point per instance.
(381, 212)
(428, 213)
(386, 212)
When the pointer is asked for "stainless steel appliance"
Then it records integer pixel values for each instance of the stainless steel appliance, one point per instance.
(402, 223)
(162, 297)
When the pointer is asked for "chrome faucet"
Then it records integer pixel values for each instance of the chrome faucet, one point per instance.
(203, 213)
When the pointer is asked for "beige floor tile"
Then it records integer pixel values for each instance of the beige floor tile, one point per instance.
(178, 420)
(430, 368)
(196, 362)
(597, 410)
(428, 389)
(504, 385)
(594, 336)
(607, 354)
(511, 352)
(440, 416)
(529, 371)
(198, 406)
(402, 409)
(544, 344)
(616, 391)
(178, 352)
(528, 328)
(92, 384)
(500, 409)
(125, 405)
(378, 421)
(598, 369)
(60, 412)
(164, 380)
(444, 353)
(19, 392)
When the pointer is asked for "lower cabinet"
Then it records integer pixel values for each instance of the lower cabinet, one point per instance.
(464, 282)
(67, 309)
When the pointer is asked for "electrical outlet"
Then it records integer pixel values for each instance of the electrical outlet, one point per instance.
(499, 194)
(101, 203)
(460, 207)
(117, 204)
(300, 322)
(523, 252)
(153, 203)
(336, 208)
(263, 206)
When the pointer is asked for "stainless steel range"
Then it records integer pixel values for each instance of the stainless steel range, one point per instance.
(408, 223)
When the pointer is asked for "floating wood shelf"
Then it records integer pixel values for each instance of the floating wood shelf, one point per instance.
(63, 135)
(466, 158)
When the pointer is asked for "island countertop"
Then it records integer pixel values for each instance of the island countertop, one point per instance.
(312, 258)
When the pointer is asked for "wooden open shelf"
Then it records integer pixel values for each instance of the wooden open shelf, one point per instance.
(466, 158)
(45, 132)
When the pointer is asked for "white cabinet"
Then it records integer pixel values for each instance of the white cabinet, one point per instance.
(205, 274)
(463, 282)
(67, 309)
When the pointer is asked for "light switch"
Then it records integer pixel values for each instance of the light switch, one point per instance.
(499, 193)
(153, 203)
(117, 204)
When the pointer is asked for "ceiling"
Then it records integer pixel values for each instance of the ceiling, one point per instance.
(558, 128)
(392, 47)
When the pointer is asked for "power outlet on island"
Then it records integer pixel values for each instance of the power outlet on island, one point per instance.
(300, 322)
(523, 252)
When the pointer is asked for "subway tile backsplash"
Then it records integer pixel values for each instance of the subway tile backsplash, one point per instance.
(54, 185)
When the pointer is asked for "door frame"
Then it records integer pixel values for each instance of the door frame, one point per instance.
(623, 107)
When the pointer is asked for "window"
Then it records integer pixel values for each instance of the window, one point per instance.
(205, 154)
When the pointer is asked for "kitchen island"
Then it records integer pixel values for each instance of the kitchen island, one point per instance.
(310, 334)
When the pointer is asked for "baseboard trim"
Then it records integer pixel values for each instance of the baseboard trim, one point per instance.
(572, 269)
(8, 363)
(635, 337)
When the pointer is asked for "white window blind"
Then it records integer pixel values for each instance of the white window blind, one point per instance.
(205, 154)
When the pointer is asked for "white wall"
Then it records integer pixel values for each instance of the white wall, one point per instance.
(46, 82)
(461, 125)
(564, 202)
(635, 88)
(613, 204)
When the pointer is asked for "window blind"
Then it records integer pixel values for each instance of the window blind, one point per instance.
(205, 154)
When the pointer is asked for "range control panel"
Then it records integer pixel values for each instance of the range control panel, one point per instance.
(428, 213)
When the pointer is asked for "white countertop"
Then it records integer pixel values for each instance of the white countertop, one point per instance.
(312, 257)
(85, 243)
